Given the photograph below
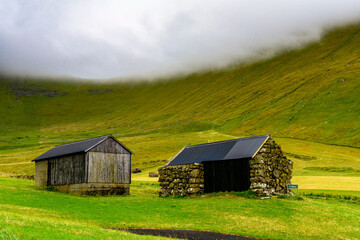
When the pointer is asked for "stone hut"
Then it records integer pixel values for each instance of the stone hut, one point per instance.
(100, 165)
(255, 163)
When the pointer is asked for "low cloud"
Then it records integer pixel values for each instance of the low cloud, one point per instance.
(101, 39)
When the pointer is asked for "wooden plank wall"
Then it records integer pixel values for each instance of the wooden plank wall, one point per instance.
(41, 173)
(66, 170)
(124, 168)
(109, 167)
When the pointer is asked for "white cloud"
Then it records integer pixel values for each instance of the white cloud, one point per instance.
(111, 39)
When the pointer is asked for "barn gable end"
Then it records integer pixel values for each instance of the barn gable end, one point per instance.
(109, 161)
(255, 163)
(110, 145)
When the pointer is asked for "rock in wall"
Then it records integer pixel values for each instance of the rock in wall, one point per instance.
(270, 170)
(181, 180)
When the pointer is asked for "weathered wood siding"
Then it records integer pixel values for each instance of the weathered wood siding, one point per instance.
(66, 170)
(124, 168)
(109, 146)
(108, 167)
(41, 173)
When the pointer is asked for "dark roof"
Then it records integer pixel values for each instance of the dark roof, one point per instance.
(75, 147)
(225, 150)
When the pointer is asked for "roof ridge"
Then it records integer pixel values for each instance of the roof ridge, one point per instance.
(229, 140)
(82, 140)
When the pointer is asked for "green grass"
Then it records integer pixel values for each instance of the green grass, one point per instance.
(321, 159)
(327, 182)
(331, 169)
(28, 212)
(332, 192)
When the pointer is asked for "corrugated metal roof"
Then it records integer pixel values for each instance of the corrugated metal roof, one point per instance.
(75, 147)
(224, 150)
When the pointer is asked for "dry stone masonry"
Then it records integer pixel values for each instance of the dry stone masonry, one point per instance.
(182, 180)
(270, 170)
(270, 173)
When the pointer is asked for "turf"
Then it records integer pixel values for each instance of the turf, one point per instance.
(327, 182)
(28, 212)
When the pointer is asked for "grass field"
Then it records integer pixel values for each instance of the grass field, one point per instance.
(327, 182)
(28, 212)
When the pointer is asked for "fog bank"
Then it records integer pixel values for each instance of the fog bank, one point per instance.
(99, 39)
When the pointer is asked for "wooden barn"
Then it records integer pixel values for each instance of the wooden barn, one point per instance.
(255, 163)
(100, 165)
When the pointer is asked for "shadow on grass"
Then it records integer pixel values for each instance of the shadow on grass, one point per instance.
(185, 234)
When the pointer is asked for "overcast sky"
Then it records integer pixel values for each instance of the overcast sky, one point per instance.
(142, 38)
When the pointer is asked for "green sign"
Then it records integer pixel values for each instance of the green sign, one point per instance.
(292, 186)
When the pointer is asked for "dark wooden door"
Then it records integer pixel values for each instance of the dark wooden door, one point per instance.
(227, 175)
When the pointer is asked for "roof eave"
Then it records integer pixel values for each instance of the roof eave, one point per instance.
(43, 159)
(175, 156)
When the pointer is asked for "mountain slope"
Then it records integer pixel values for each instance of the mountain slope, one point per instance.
(310, 93)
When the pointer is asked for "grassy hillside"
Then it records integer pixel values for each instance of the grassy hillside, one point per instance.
(310, 94)
(27, 212)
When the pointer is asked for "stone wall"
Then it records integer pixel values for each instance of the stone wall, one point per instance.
(181, 180)
(270, 170)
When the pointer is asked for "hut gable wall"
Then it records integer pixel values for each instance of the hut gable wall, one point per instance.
(270, 170)
(109, 146)
(68, 169)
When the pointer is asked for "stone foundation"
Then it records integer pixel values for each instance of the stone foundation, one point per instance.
(95, 188)
(270, 170)
(181, 180)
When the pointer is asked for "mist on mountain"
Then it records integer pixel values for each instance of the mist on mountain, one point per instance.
(141, 39)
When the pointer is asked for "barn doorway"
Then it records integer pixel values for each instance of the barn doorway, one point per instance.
(226, 175)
